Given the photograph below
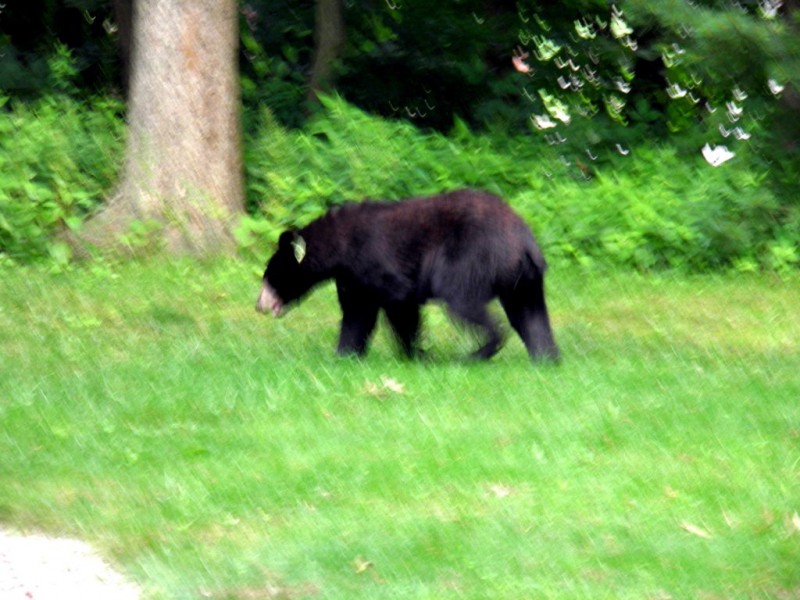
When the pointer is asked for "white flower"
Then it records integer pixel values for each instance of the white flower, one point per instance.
(769, 8)
(556, 108)
(546, 49)
(543, 121)
(775, 87)
(584, 31)
(737, 132)
(619, 28)
(741, 134)
(734, 111)
(717, 155)
(630, 43)
(622, 86)
(561, 114)
(675, 91)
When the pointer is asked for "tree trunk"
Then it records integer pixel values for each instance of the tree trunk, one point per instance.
(183, 166)
(329, 39)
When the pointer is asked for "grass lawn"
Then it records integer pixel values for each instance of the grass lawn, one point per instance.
(213, 453)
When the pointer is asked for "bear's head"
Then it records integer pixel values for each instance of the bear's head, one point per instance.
(287, 276)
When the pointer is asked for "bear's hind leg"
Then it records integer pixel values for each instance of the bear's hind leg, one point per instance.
(404, 319)
(527, 314)
(478, 316)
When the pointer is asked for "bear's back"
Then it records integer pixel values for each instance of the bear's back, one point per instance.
(446, 214)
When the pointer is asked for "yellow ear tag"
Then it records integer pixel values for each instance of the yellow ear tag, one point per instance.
(299, 245)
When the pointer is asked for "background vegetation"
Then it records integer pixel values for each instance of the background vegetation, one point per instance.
(429, 100)
(666, 208)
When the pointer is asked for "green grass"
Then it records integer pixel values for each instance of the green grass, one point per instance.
(211, 452)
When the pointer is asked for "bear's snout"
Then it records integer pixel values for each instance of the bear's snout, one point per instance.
(268, 301)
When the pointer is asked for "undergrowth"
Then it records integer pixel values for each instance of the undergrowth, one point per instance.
(59, 160)
(657, 208)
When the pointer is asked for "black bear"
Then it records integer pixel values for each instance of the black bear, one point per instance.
(464, 248)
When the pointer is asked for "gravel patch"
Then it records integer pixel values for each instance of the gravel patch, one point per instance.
(39, 567)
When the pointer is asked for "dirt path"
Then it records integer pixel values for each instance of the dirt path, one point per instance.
(38, 567)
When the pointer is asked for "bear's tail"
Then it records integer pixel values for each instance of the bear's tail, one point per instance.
(535, 256)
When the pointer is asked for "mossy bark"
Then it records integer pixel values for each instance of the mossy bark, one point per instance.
(183, 165)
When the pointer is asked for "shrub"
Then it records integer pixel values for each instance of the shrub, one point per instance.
(665, 210)
(58, 160)
(345, 154)
(656, 209)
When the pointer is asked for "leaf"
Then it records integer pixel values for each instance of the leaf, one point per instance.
(61, 253)
(73, 222)
(794, 524)
(695, 530)
(229, 520)
(388, 385)
(670, 493)
(500, 491)
(373, 389)
(361, 565)
(393, 385)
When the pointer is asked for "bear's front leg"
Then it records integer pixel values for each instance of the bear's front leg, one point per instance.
(359, 315)
(404, 319)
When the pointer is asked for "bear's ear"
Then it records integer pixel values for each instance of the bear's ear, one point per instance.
(299, 247)
(286, 239)
(292, 239)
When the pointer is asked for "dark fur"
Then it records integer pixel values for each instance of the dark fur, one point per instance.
(464, 248)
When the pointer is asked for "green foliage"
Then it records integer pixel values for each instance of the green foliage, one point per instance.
(655, 209)
(63, 70)
(403, 59)
(690, 74)
(345, 154)
(431, 65)
(276, 42)
(715, 53)
(582, 65)
(58, 161)
(664, 210)
(49, 43)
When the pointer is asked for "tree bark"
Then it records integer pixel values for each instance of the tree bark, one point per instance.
(329, 39)
(183, 166)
